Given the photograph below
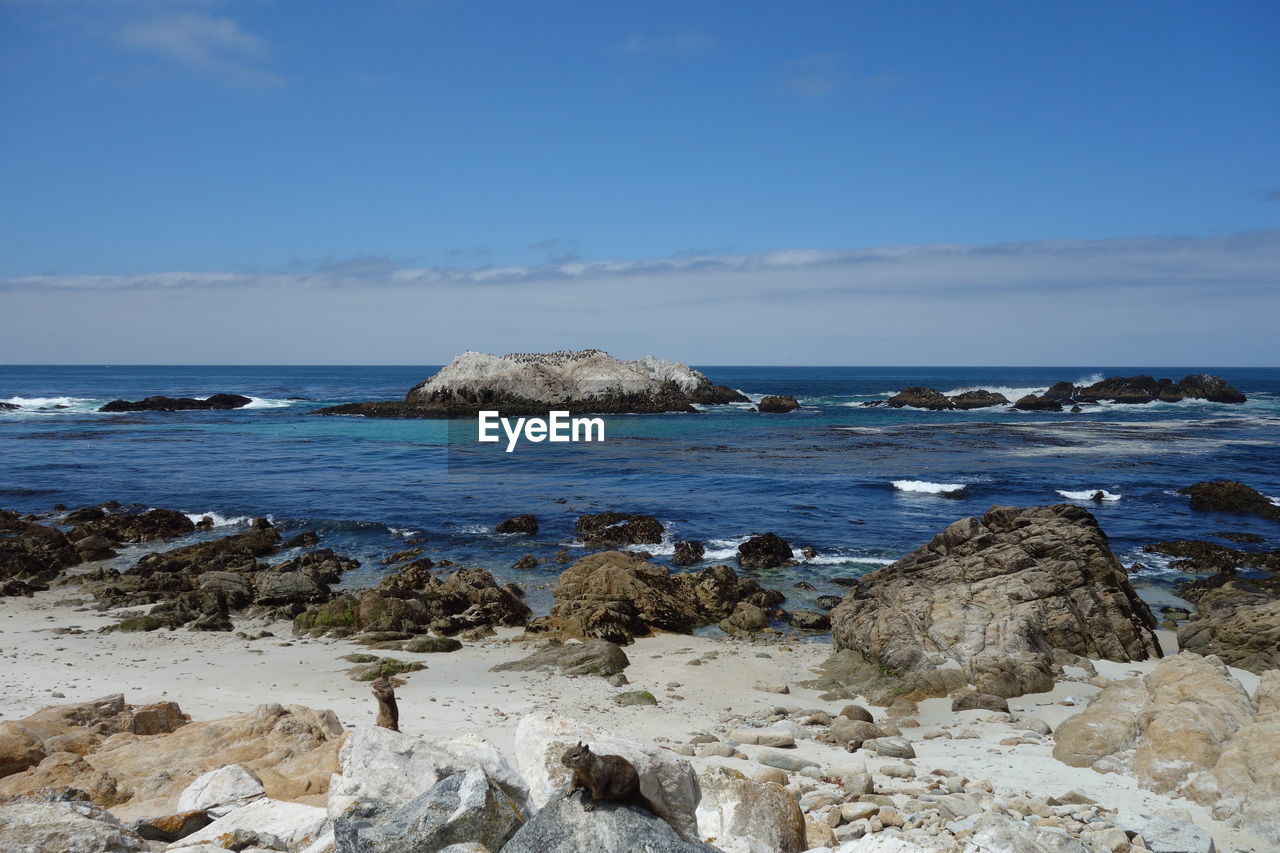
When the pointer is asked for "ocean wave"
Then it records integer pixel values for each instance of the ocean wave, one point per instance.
(219, 520)
(51, 405)
(925, 487)
(1014, 394)
(1087, 495)
(267, 403)
(842, 559)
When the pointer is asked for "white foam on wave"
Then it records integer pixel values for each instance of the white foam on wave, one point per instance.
(1014, 394)
(1087, 495)
(267, 403)
(925, 487)
(722, 549)
(52, 405)
(842, 559)
(219, 520)
(1274, 501)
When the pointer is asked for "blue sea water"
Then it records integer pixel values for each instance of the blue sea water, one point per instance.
(822, 476)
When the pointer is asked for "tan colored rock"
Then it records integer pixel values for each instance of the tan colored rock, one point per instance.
(1248, 772)
(734, 807)
(998, 596)
(1237, 621)
(293, 750)
(818, 833)
(1107, 726)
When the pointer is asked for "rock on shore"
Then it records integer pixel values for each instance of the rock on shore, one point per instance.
(587, 381)
(998, 601)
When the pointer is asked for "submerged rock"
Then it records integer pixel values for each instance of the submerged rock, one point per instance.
(996, 601)
(777, 405)
(178, 404)
(526, 524)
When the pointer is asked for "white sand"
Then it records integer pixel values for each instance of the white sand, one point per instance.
(217, 674)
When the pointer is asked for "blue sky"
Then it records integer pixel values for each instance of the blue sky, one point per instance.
(441, 153)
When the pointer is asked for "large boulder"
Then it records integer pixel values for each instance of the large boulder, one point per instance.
(1003, 598)
(214, 402)
(771, 404)
(1230, 496)
(1033, 403)
(221, 790)
(565, 826)
(618, 529)
(291, 749)
(1110, 725)
(766, 551)
(1248, 771)
(65, 827)
(1238, 621)
(1215, 389)
(32, 552)
(979, 399)
(1124, 389)
(593, 657)
(154, 525)
(464, 807)
(687, 553)
(741, 815)
(273, 824)
(616, 596)
(919, 397)
(526, 524)
(666, 780)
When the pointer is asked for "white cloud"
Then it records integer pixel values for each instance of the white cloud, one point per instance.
(210, 43)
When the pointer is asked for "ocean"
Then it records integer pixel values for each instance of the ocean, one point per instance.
(862, 486)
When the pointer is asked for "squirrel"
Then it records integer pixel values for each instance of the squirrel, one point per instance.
(603, 777)
(384, 690)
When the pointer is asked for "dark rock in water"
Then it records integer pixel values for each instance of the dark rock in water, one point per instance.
(1123, 389)
(31, 552)
(1230, 496)
(1235, 619)
(616, 596)
(518, 524)
(980, 399)
(528, 561)
(805, 585)
(970, 701)
(565, 826)
(1244, 538)
(463, 808)
(306, 539)
(1076, 410)
(1060, 391)
(1198, 556)
(767, 551)
(777, 405)
(1032, 403)
(8, 407)
(593, 657)
(688, 553)
(807, 620)
(719, 395)
(1006, 597)
(617, 529)
(1204, 386)
(826, 602)
(178, 404)
(918, 397)
(154, 525)
(95, 548)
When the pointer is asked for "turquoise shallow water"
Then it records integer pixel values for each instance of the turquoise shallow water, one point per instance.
(821, 476)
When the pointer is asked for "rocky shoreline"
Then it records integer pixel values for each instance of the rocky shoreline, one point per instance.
(1134, 390)
(955, 680)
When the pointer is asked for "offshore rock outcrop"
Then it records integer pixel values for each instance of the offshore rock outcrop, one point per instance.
(1230, 496)
(583, 382)
(215, 402)
(999, 601)
(1115, 389)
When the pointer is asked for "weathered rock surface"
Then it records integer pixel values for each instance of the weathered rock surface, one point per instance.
(766, 551)
(997, 597)
(740, 814)
(526, 524)
(616, 596)
(228, 787)
(145, 757)
(1230, 496)
(775, 405)
(32, 552)
(178, 404)
(919, 397)
(593, 657)
(618, 529)
(666, 780)
(1248, 771)
(688, 553)
(980, 399)
(564, 826)
(1238, 621)
(1033, 403)
(64, 827)
(273, 824)
(588, 381)
(154, 525)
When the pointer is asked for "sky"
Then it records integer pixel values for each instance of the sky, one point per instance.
(396, 181)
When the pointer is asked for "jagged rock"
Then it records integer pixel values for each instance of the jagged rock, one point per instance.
(32, 552)
(777, 405)
(766, 551)
(687, 553)
(1194, 555)
(980, 399)
(463, 807)
(222, 790)
(178, 404)
(528, 561)
(918, 397)
(616, 596)
(1032, 403)
(1230, 496)
(1239, 622)
(593, 657)
(719, 395)
(740, 814)
(526, 524)
(402, 556)
(154, 525)
(64, 827)
(172, 827)
(618, 529)
(564, 826)
(667, 781)
(1124, 389)
(1212, 388)
(589, 381)
(996, 596)
(291, 825)
(144, 768)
